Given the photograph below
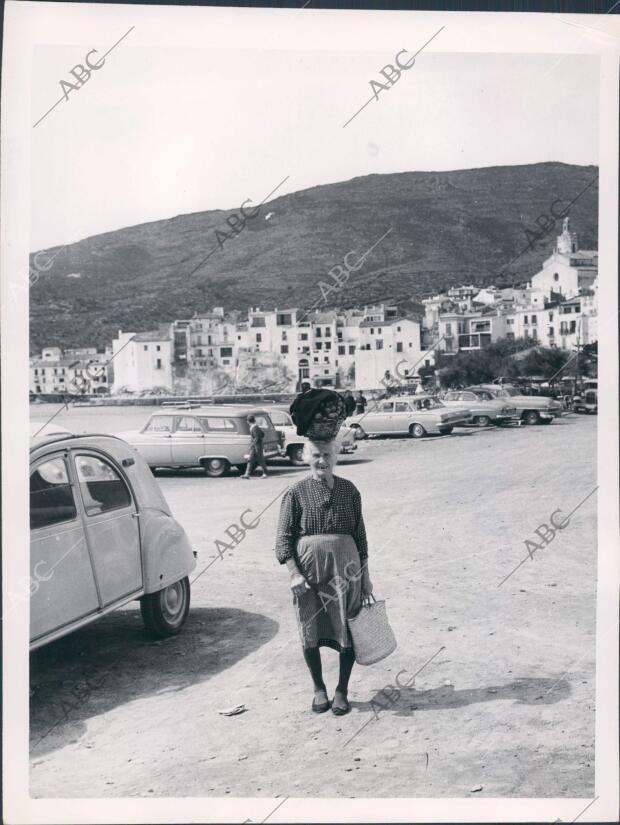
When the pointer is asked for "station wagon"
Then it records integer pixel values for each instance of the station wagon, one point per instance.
(215, 438)
(101, 535)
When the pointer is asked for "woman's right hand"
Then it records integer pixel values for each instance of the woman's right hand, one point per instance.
(299, 585)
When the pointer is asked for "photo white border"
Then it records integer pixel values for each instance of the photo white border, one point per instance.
(31, 24)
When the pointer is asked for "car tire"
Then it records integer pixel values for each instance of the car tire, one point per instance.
(164, 613)
(482, 421)
(417, 431)
(447, 431)
(295, 455)
(531, 417)
(215, 467)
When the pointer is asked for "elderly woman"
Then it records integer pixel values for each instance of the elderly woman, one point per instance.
(322, 540)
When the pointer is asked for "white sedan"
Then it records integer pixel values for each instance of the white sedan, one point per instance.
(415, 415)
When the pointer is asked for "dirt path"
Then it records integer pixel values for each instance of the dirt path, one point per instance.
(506, 706)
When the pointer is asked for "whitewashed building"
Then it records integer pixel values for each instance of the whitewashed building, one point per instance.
(142, 361)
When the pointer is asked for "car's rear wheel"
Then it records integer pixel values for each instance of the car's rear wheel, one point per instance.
(482, 420)
(164, 613)
(531, 417)
(216, 467)
(417, 431)
(296, 455)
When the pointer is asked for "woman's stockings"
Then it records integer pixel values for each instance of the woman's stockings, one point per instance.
(312, 655)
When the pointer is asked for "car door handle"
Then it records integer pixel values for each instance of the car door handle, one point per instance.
(135, 515)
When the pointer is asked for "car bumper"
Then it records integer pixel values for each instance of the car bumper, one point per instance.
(348, 447)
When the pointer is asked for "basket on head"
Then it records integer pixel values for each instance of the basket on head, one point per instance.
(327, 419)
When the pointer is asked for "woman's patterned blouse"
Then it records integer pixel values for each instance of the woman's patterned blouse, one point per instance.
(310, 508)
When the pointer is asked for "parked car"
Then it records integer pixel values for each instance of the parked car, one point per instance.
(293, 445)
(414, 415)
(586, 400)
(531, 409)
(484, 408)
(101, 535)
(213, 437)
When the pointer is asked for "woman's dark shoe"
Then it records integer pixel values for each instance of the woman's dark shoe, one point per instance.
(340, 705)
(321, 707)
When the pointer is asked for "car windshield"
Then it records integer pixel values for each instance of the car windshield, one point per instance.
(280, 418)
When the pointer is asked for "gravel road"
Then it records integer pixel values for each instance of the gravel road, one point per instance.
(505, 707)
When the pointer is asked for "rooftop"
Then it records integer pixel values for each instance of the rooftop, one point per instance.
(154, 335)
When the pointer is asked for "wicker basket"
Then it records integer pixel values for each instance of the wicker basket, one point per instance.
(373, 638)
(324, 430)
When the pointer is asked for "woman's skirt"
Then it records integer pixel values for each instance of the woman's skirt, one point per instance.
(331, 565)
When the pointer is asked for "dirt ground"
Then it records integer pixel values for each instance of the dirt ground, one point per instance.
(505, 709)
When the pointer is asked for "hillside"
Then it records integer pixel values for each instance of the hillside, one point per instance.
(447, 228)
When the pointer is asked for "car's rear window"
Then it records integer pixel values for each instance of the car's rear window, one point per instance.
(215, 424)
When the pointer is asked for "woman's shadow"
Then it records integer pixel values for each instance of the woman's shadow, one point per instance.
(525, 691)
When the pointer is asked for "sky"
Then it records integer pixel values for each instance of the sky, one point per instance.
(158, 132)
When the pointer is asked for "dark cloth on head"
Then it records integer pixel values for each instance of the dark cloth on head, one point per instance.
(305, 406)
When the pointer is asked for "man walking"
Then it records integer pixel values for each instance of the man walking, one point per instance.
(256, 456)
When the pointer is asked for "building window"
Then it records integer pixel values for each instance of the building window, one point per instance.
(379, 344)
(284, 335)
(534, 319)
(397, 329)
(526, 319)
(158, 348)
(226, 352)
(303, 336)
(352, 349)
(318, 332)
(372, 330)
(556, 277)
(158, 364)
(551, 316)
(259, 337)
(328, 332)
(448, 329)
(379, 330)
(146, 346)
(315, 360)
(328, 344)
(318, 345)
(550, 332)
(573, 326)
(326, 361)
(534, 334)
(284, 349)
(342, 350)
(399, 346)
